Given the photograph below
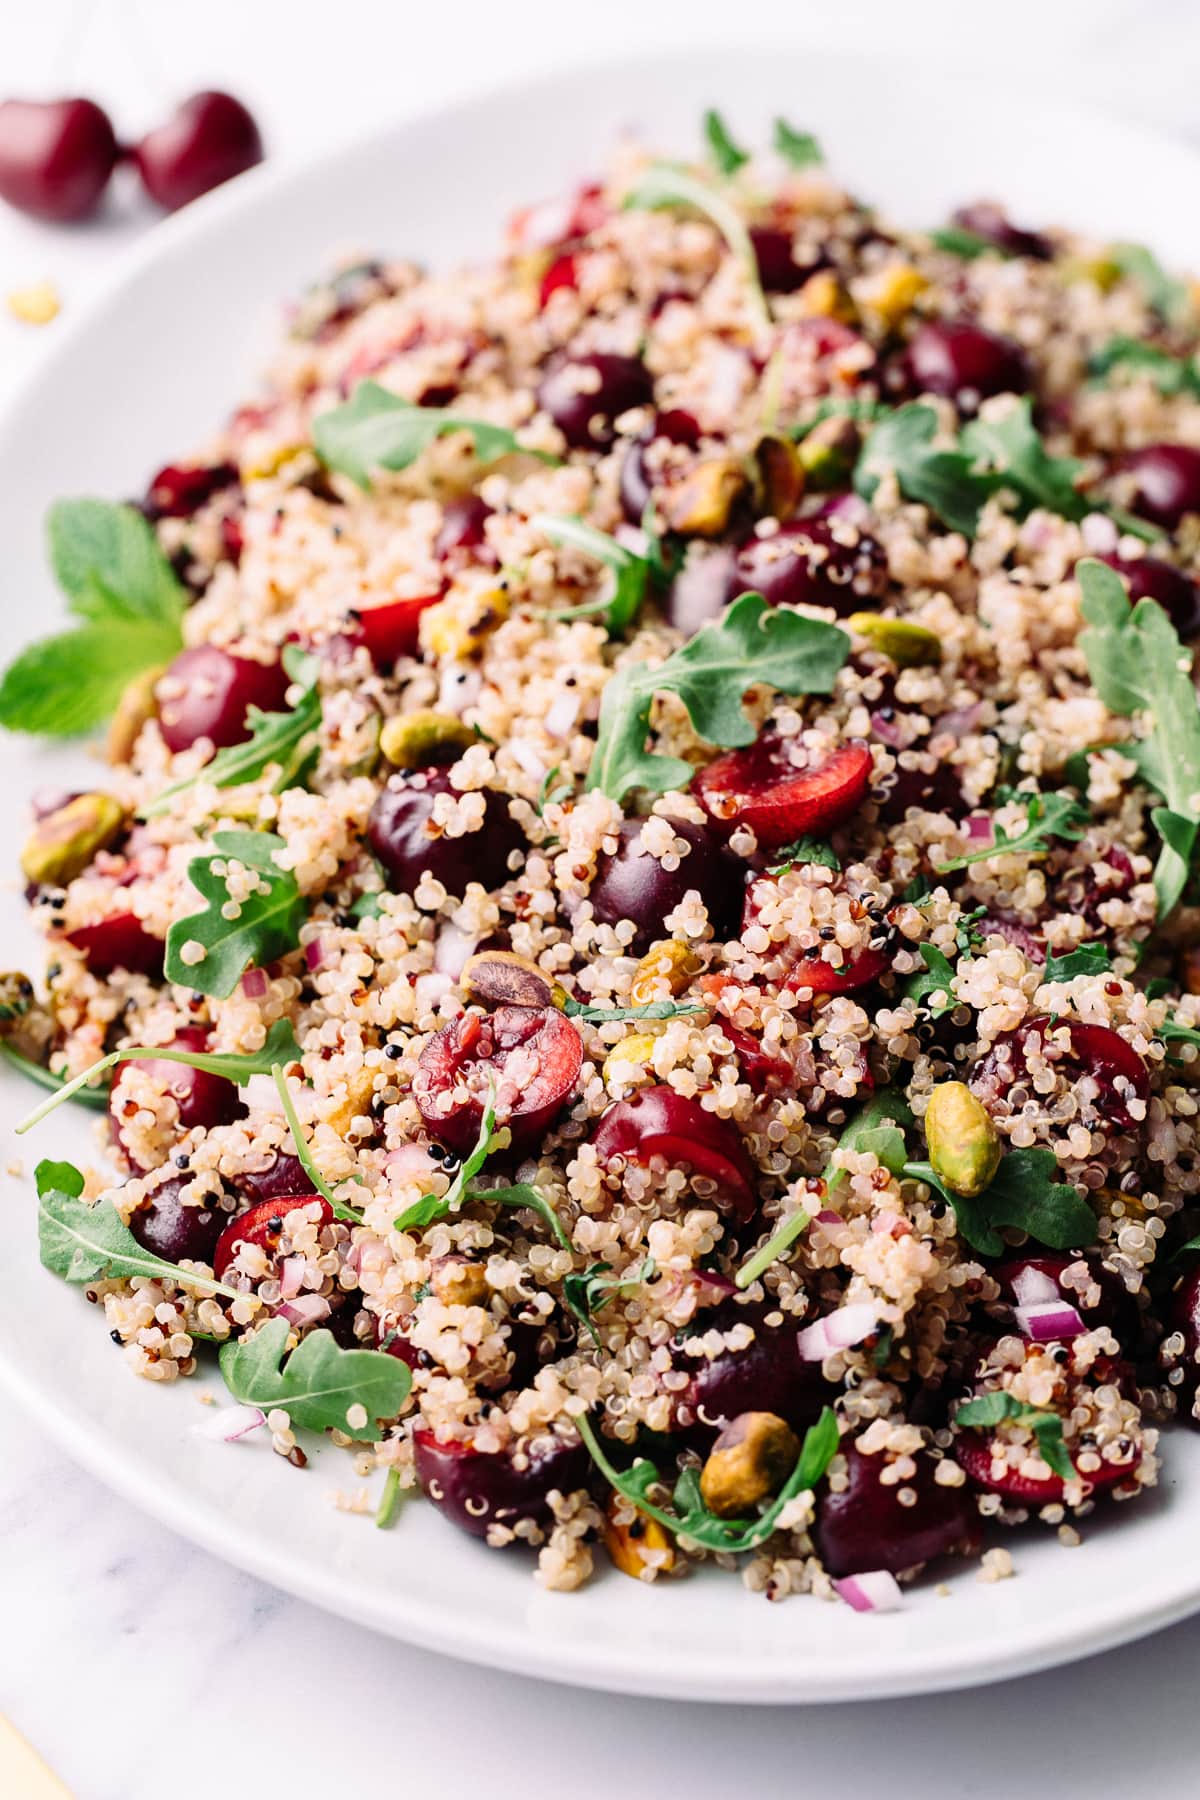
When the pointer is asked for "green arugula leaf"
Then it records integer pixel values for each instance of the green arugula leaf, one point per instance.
(303, 1154)
(463, 1192)
(376, 429)
(805, 850)
(388, 1500)
(1047, 1427)
(863, 411)
(631, 572)
(85, 1243)
(726, 156)
(1086, 959)
(1138, 664)
(967, 933)
(236, 1066)
(607, 1015)
(116, 578)
(1171, 375)
(590, 1291)
(956, 240)
(750, 643)
(1047, 816)
(691, 1520)
(665, 185)
(41, 1076)
(878, 1127)
(943, 480)
(266, 925)
(1172, 1031)
(1168, 296)
(938, 976)
(1025, 1194)
(1012, 451)
(319, 1384)
(282, 738)
(800, 148)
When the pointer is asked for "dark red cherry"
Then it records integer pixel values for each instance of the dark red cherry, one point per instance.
(207, 692)
(402, 833)
(201, 1098)
(641, 467)
(768, 787)
(778, 269)
(866, 1526)
(181, 489)
(529, 1056)
(766, 1375)
(986, 220)
(657, 1121)
(1150, 578)
(478, 1490)
(172, 1227)
(632, 884)
(119, 942)
(965, 363)
(283, 1176)
(462, 526)
(1166, 482)
(262, 1225)
(815, 562)
(207, 140)
(584, 394)
(1096, 1051)
(55, 156)
(391, 629)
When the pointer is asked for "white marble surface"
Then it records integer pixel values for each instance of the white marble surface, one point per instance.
(126, 1656)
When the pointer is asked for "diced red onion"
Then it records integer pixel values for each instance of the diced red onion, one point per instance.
(1033, 1287)
(451, 950)
(262, 1096)
(727, 382)
(309, 1309)
(886, 730)
(875, 1590)
(314, 953)
(255, 983)
(291, 1277)
(827, 1216)
(543, 226)
(839, 1330)
(1049, 1322)
(458, 689)
(850, 507)
(226, 1424)
(409, 1159)
(979, 828)
(959, 720)
(1099, 533)
(528, 759)
(561, 716)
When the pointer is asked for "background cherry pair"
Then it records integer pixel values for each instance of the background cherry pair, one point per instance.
(57, 156)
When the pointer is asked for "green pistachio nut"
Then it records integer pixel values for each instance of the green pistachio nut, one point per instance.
(63, 843)
(964, 1145)
(909, 646)
(416, 739)
(829, 452)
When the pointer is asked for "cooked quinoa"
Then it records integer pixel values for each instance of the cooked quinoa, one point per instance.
(961, 1070)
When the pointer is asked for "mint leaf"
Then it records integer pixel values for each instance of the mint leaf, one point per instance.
(108, 562)
(800, 148)
(266, 925)
(750, 643)
(1047, 1427)
(691, 1520)
(938, 974)
(1168, 296)
(319, 1383)
(726, 156)
(1086, 959)
(1171, 375)
(1138, 664)
(376, 429)
(1047, 816)
(665, 185)
(1016, 457)
(631, 572)
(282, 738)
(82, 1242)
(942, 480)
(805, 850)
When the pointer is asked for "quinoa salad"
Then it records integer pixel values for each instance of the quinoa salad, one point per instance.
(637, 951)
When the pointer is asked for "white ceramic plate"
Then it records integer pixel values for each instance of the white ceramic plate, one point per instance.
(145, 376)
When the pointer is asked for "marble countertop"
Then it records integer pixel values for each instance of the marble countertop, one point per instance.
(125, 1653)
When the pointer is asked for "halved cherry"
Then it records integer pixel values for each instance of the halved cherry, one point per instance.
(201, 1098)
(283, 1178)
(1116, 1306)
(1095, 1050)
(263, 1225)
(389, 630)
(766, 1375)
(529, 1055)
(768, 788)
(814, 973)
(119, 942)
(477, 1489)
(659, 1122)
(765, 1073)
(865, 1525)
(174, 1227)
(973, 1452)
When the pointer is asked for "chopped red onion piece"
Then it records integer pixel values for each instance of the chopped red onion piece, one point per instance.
(314, 954)
(291, 1277)
(1047, 1322)
(979, 828)
(875, 1590)
(255, 983)
(827, 1216)
(309, 1309)
(839, 1330)
(451, 950)
(226, 1424)
(886, 730)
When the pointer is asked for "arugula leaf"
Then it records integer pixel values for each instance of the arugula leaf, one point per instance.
(726, 155)
(388, 1499)
(41, 1076)
(1011, 448)
(937, 978)
(1085, 959)
(236, 1066)
(462, 1192)
(1168, 296)
(690, 1519)
(631, 572)
(1171, 375)
(606, 1015)
(1137, 664)
(665, 185)
(1047, 1427)
(862, 411)
(1047, 816)
(958, 241)
(967, 934)
(1172, 1031)
(319, 1384)
(85, 1243)
(587, 1293)
(283, 738)
(376, 429)
(1025, 1194)
(943, 480)
(878, 1127)
(750, 643)
(265, 926)
(805, 850)
(303, 1154)
(800, 148)
(117, 580)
